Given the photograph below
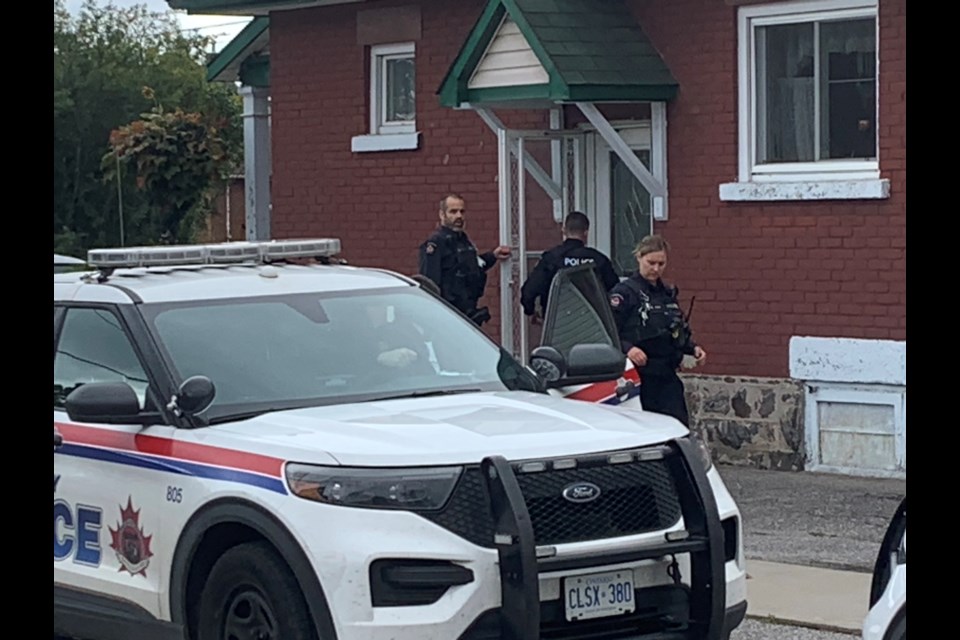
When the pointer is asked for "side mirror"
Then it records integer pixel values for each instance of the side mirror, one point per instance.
(549, 364)
(195, 394)
(593, 363)
(108, 403)
(587, 363)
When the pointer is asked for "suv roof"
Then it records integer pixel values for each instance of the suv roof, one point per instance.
(174, 284)
(159, 280)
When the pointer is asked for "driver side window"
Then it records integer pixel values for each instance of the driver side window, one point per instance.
(94, 347)
(578, 312)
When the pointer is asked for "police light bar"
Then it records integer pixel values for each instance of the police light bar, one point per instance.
(219, 253)
(145, 256)
(283, 249)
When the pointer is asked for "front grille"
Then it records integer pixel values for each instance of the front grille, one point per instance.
(636, 497)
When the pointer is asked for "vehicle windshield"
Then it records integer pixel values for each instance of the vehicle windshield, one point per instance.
(291, 351)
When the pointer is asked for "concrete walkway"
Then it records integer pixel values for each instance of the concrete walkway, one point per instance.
(807, 596)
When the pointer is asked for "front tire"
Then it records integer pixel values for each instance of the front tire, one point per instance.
(251, 594)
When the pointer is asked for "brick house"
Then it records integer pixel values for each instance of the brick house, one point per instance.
(765, 140)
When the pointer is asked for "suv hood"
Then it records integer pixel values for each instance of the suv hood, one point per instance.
(456, 429)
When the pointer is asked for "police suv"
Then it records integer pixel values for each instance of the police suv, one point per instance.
(255, 441)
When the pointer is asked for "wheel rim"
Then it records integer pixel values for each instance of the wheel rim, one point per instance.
(249, 617)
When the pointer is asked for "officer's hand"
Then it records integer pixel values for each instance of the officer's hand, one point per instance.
(502, 252)
(397, 358)
(637, 356)
(700, 355)
(536, 318)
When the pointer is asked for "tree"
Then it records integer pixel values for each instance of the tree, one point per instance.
(103, 58)
(176, 157)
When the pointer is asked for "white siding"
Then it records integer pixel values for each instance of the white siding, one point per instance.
(508, 62)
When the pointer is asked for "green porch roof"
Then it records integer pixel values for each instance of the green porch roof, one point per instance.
(592, 50)
(245, 58)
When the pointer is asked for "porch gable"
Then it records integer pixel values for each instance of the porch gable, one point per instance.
(582, 50)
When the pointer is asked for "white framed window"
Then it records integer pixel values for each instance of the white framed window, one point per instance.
(808, 107)
(393, 100)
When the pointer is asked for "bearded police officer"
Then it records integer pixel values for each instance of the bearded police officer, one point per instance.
(654, 333)
(450, 260)
(573, 252)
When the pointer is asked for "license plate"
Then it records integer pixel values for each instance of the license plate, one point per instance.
(597, 595)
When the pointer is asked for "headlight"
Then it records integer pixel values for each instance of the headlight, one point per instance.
(703, 451)
(413, 489)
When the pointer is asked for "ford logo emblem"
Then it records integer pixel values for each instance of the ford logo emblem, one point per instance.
(581, 492)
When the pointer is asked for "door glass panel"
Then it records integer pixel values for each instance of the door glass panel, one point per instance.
(93, 347)
(578, 311)
(630, 205)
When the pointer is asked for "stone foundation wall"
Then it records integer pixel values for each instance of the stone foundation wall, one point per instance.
(756, 422)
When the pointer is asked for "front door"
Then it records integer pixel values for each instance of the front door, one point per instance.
(622, 205)
(106, 508)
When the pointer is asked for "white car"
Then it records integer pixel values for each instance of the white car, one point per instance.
(887, 618)
(252, 444)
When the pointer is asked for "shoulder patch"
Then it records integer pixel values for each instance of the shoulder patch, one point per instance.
(429, 248)
(616, 300)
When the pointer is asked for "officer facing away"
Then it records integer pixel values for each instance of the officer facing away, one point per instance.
(573, 252)
(450, 259)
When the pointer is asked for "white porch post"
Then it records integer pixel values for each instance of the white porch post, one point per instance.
(256, 161)
(537, 172)
(656, 185)
(506, 238)
(556, 164)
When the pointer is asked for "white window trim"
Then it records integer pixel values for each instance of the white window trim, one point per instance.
(835, 179)
(385, 136)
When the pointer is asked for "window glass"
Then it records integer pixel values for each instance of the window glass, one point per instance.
(93, 347)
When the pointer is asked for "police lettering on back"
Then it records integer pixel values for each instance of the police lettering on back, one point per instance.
(573, 252)
(576, 262)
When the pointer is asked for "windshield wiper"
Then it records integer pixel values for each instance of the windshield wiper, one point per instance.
(259, 411)
(424, 394)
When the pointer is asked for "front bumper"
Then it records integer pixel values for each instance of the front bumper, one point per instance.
(516, 595)
(521, 612)
(489, 625)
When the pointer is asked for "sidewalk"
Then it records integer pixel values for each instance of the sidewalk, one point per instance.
(807, 596)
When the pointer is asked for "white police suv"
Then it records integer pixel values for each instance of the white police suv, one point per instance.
(887, 617)
(254, 441)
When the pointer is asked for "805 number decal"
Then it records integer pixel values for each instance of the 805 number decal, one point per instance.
(174, 494)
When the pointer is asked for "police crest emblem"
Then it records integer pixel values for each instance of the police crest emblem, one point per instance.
(130, 543)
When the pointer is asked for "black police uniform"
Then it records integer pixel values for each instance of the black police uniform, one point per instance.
(450, 259)
(571, 253)
(648, 316)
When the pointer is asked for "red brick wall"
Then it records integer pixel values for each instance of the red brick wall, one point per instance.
(382, 205)
(761, 272)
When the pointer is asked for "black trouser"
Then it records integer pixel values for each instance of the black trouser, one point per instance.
(664, 393)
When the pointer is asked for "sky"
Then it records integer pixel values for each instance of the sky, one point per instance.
(223, 28)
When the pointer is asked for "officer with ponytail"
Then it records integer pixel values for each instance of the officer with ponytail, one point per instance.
(654, 334)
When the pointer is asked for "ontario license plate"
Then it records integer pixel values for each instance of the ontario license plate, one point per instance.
(597, 595)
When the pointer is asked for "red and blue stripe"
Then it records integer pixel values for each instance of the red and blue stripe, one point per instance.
(606, 392)
(172, 456)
